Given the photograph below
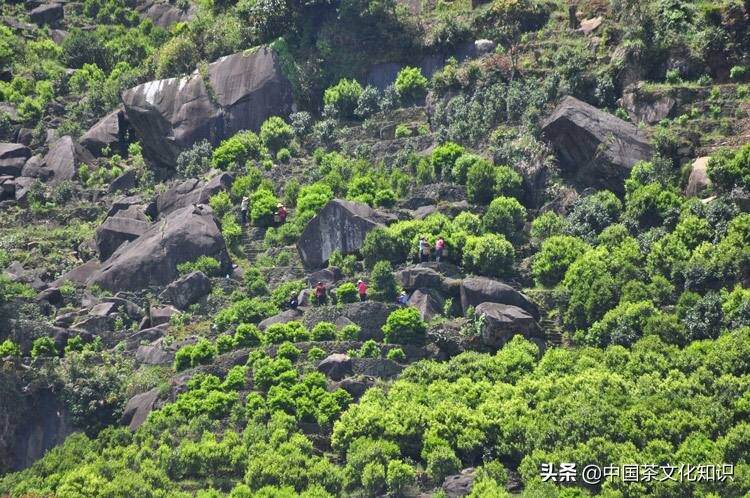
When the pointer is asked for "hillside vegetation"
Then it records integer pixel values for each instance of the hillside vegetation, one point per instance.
(194, 196)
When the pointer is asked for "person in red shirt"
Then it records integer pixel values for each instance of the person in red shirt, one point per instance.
(320, 293)
(439, 248)
(362, 288)
(281, 213)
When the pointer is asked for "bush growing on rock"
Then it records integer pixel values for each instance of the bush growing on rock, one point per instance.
(480, 182)
(622, 325)
(404, 326)
(43, 347)
(282, 332)
(490, 255)
(9, 348)
(547, 225)
(592, 214)
(728, 170)
(221, 203)
(652, 205)
(505, 216)
(508, 182)
(195, 161)
(249, 310)
(349, 333)
(396, 354)
(343, 97)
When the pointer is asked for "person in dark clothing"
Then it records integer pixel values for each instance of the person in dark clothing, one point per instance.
(293, 302)
(402, 299)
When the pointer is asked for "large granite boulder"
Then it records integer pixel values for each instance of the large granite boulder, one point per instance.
(238, 92)
(110, 131)
(192, 191)
(283, 317)
(340, 226)
(12, 158)
(458, 485)
(48, 13)
(415, 277)
(164, 14)
(503, 321)
(138, 407)
(427, 302)
(152, 258)
(187, 290)
(115, 231)
(477, 290)
(594, 147)
(643, 107)
(698, 182)
(336, 366)
(61, 163)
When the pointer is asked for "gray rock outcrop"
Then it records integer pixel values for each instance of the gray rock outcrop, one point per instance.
(61, 163)
(152, 258)
(477, 290)
(192, 191)
(503, 321)
(238, 92)
(115, 231)
(138, 407)
(12, 158)
(698, 182)
(594, 147)
(110, 131)
(336, 366)
(340, 226)
(187, 290)
(48, 13)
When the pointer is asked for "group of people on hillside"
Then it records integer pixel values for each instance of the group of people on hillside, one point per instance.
(425, 249)
(279, 216)
(321, 294)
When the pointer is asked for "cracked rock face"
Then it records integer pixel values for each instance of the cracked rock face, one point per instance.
(237, 92)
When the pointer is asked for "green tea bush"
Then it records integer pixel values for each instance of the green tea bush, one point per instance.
(547, 225)
(411, 85)
(43, 347)
(405, 326)
(480, 182)
(347, 293)
(592, 214)
(276, 134)
(235, 151)
(231, 230)
(221, 203)
(195, 161)
(554, 258)
(622, 325)
(262, 207)
(444, 158)
(728, 170)
(384, 286)
(323, 331)
(249, 310)
(201, 353)
(491, 255)
(349, 332)
(343, 97)
(288, 351)
(9, 348)
(462, 165)
(505, 216)
(247, 335)
(652, 205)
(397, 355)
(283, 332)
(508, 182)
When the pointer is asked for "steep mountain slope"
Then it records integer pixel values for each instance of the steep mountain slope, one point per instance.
(269, 248)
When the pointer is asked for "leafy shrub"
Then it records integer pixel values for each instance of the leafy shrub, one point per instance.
(43, 347)
(592, 214)
(196, 160)
(490, 255)
(288, 351)
(728, 170)
(508, 182)
(369, 349)
(234, 151)
(462, 165)
(347, 293)
(396, 354)
(399, 475)
(367, 104)
(300, 122)
(411, 85)
(384, 286)
(738, 73)
(480, 182)
(311, 199)
(323, 331)
(9, 348)
(262, 207)
(343, 97)
(441, 462)
(555, 257)
(315, 354)
(546, 225)
(225, 343)
(385, 198)
(622, 325)
(201, 353)
(505, 216)
(404, 326)
(283, 332)
(82, 47)
(249, 310)
(283, 156)
(221, 203)
(231, 230)
(444, 158)
(275, 133)
(402, 131)
(652, 205)
(245, 185)
(247, 335)
(349, 333)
